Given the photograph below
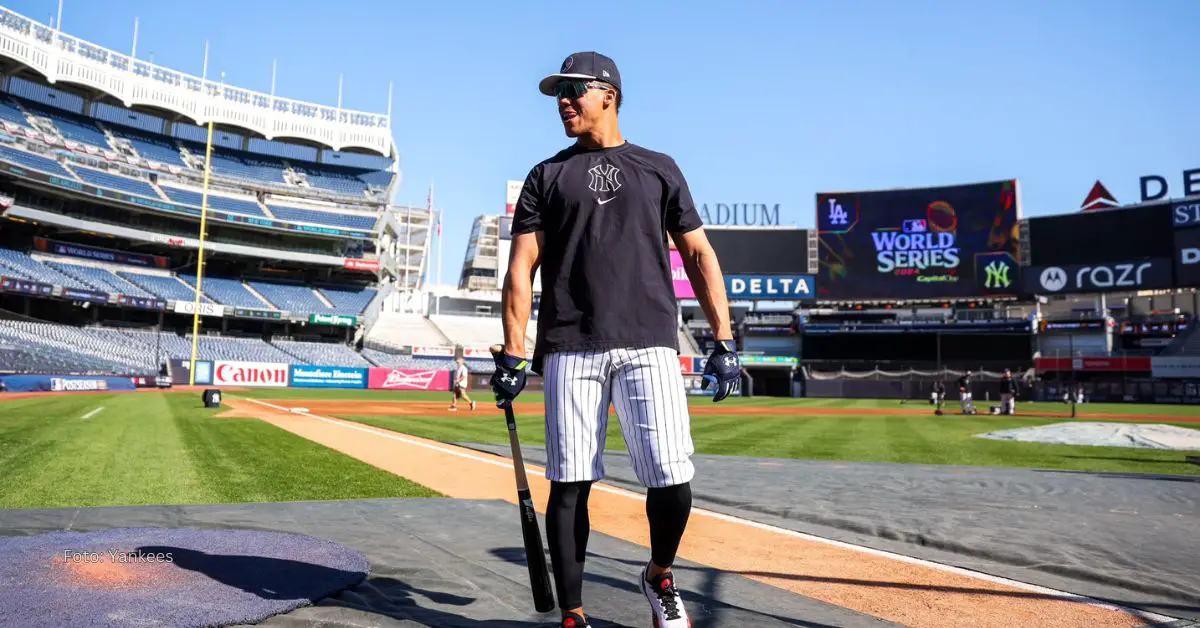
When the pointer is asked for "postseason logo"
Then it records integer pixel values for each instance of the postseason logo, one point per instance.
(915, 248)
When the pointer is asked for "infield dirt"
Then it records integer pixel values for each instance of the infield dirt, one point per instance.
(364, 407)
(910, 593)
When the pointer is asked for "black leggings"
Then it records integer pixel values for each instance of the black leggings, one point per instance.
(568, 527)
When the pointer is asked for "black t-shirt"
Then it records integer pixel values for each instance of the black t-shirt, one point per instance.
(606, 271)
(964, 382)
(1007, 385)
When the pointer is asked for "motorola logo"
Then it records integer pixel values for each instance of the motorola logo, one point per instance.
(1053, 279)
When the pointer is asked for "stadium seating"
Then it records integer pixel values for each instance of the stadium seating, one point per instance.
(401, 330)
(240, 165)
(246, 206)
(393, 360)
(20, 265)
(10, 112)
(153, 147)
(322, 353)
(98, 278)
(37, 162)
(290, 297)
(116, 182)
(317, 217)
(72, 126)
(333, 180)
(166, 288)
(226, 291)
(91, 349)
(350, 302)
(209, 347)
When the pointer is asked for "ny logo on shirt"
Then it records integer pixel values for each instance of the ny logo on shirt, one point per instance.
(604, 181)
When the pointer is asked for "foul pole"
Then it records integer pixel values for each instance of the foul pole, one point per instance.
(200, 259)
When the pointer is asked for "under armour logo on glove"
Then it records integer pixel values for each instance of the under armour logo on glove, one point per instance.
(509, 379)
(722, 371)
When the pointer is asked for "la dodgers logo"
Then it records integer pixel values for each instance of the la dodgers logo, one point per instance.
(604, 182)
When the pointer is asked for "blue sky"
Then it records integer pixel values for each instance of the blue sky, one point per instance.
(762, 102)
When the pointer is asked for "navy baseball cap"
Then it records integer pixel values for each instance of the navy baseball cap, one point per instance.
(588, 66)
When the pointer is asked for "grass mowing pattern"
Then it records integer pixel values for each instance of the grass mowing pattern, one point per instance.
(148, 448)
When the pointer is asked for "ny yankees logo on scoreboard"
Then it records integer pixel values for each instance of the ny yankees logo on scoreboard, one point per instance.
(604, 182)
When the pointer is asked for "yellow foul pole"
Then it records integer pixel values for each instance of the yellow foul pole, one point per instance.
(200, 259)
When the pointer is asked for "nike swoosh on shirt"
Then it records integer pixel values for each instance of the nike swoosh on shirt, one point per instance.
(603, 202)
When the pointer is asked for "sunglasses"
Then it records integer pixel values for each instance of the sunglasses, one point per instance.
(572, 90)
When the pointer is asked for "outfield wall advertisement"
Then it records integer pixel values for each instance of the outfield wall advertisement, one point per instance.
(64, 383)
(912, 244)
(250, 374)
(305, 376)
(383, 378)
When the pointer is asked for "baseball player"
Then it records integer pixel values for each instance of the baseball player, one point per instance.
(964, 394)
(461, 375)
(939, 396)
(1008, 393)
(595, 218)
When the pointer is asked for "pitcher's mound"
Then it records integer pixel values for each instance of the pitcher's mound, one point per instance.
(168, 577)
(1145, 435)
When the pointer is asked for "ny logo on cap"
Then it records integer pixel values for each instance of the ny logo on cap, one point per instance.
(568, 63)
(604, 181)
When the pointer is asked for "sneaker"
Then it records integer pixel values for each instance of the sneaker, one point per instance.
(453, 409)
(573, 620)
(665, 603)
(472, 405)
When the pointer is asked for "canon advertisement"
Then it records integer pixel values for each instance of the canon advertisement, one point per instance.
(1149, 274)
(1187, 257)
(930, 243)
(250, 374)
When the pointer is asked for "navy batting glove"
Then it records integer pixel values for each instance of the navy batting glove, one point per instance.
(723, 370)
(509, 379)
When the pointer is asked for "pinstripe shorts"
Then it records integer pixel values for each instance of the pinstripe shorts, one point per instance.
(646, 389)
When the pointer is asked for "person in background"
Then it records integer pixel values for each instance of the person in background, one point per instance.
(461, 376)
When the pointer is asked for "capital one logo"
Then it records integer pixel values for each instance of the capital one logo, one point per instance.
(996, 275)
(837, 214)
(604, 181)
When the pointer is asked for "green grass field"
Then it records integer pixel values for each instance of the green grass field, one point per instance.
(164, 448)
(149, 448)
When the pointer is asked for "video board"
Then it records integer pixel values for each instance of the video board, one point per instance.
(1101, 237)
(760, 251)
(915, 244)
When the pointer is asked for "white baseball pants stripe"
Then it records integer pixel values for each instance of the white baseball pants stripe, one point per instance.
(647, 390)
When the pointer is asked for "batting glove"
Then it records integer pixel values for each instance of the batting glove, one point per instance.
(509, 379)
(723, 371)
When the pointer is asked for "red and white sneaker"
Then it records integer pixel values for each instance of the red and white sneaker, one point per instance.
(665, 604)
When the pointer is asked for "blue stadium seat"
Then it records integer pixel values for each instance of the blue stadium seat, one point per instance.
(290, 297)
(166, 288)
(10, 112)
(20, 265)
(322, 353)
(246, 206)
(116, 182)
(154, 147)
(72, 126)
(226, 291)
(99, 279)
(351, 302)
(317, 217)
(37, 162)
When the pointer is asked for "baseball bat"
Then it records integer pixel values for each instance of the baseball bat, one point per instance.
(535, 555)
